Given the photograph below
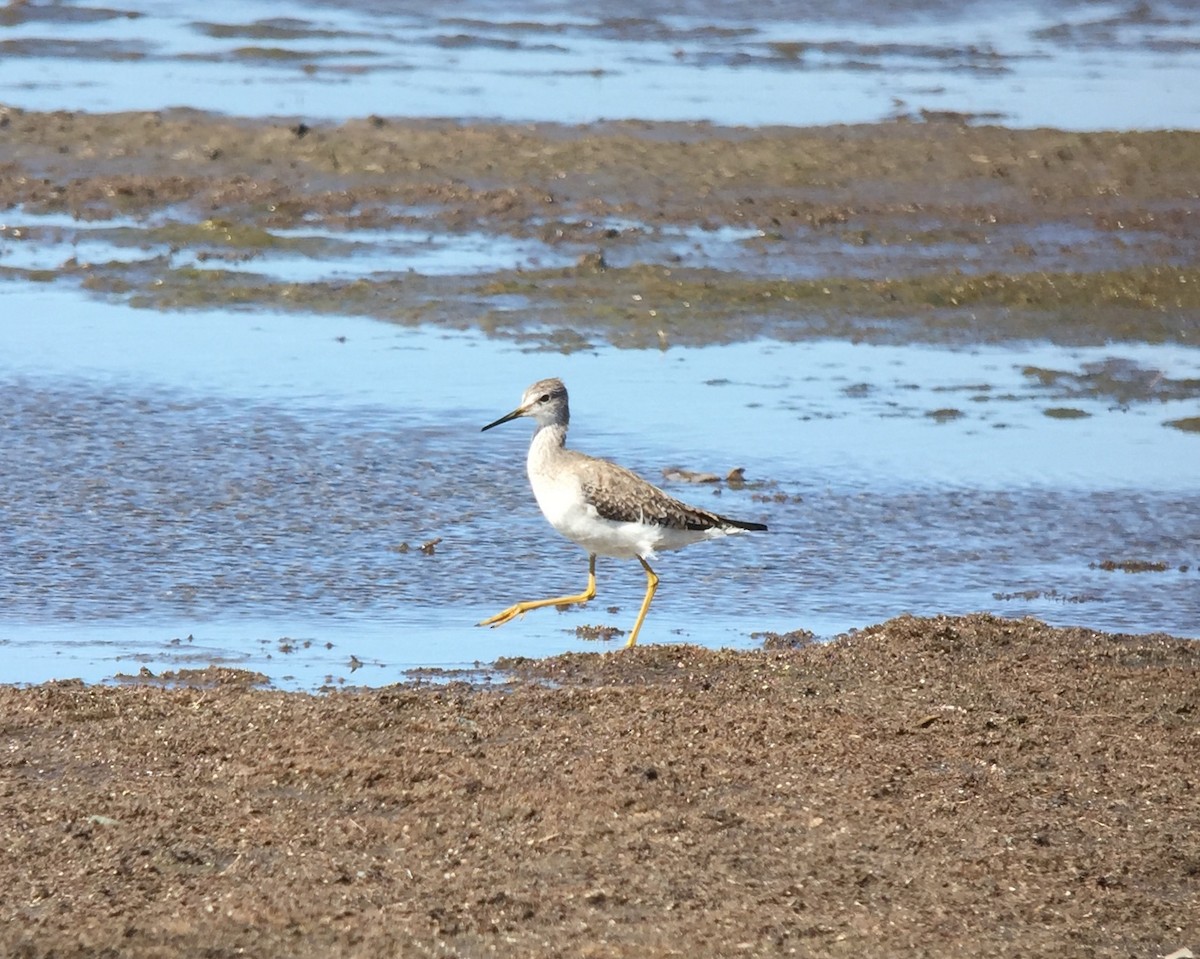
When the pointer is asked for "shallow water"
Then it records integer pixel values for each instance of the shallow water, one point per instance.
(255, 489)
(193, 487)
(48, 241)
(1074, 66)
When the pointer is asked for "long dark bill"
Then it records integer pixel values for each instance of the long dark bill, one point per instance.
(504, 419)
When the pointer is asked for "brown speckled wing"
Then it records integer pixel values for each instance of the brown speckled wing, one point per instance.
(621, 495)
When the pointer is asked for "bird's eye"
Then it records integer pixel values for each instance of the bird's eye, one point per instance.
(545, 398)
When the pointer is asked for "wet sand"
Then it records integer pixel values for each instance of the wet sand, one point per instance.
(926, 787)
(933, 787)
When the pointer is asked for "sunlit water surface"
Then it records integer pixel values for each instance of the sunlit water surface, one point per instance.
(190, 488)
(1090, 65)
(46, 241)
(183, 489)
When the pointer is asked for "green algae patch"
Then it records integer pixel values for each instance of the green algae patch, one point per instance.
(220, 232)
(1144, 288)
(1147, 305)
(650, 286)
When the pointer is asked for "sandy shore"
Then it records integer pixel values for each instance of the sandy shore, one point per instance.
(935, 787)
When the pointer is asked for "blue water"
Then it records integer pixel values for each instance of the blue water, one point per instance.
(1074, 66)
(265, 482)
(255, 489)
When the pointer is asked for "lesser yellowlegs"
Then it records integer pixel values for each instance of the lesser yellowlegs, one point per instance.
(604, 508)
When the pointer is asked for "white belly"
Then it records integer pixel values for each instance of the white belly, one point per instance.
(563, 504)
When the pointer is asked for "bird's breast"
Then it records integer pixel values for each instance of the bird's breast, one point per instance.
(560, 499)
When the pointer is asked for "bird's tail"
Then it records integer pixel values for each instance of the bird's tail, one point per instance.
(743, 524)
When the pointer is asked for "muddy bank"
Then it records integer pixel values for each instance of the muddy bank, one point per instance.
(640, 234)
(923, 787)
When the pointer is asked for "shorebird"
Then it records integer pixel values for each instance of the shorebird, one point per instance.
(603, 507)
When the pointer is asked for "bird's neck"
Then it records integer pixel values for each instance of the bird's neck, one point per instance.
(548, 443)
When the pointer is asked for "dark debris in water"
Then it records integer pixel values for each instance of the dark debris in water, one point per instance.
(477, 675)
(794, 639)
(1119, 379)
(1030, 595)
(601, 633)
(679, 474)
(280, 28)
(735, 477)
(428, 548)
(1132, 566)
(210, 677)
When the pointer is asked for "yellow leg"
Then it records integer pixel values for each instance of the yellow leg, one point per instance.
(651, 586)
(520, 609)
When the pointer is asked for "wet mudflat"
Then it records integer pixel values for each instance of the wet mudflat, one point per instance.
(630, 233)
(925, 787)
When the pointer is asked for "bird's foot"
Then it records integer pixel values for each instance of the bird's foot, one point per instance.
(504, 616)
